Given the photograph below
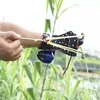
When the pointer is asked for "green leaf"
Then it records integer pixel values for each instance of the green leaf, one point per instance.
(75, 87)
(26, 55)
(38, 66)
(66, 98)
(47, 3)
(25, 95)
(51, 3)
(59, 5)
(7, 90)
(34, 51)
(68, 77)
(28, 73)
(37, 69)
(50, 90)
(31, 93)
(66, 10)
(47, 25)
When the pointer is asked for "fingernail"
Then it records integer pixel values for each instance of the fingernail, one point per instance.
(19, 36)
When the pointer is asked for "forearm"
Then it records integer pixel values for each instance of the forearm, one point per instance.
(23, 32)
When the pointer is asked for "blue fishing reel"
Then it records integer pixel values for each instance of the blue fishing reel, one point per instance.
(45, 56)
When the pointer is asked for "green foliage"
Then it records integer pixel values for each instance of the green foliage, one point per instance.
(47, 25)
(90, 60)
(30, 79)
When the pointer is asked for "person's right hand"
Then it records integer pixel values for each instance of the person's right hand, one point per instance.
(10, 46)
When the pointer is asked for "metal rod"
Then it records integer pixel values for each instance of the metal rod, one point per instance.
(67, 65)
(53, 44)
(65, 48)
(49, 38)
(56, 38)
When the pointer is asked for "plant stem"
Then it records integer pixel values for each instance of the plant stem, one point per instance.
(67, 65)
(41, 94)
(55, 23)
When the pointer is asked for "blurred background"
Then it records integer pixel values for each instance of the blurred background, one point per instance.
(83, 18)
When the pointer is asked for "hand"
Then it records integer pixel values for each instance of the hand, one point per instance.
(10, 46)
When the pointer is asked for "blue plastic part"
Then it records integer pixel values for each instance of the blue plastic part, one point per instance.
(45, 56)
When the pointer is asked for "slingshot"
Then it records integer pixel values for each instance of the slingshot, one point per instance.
(68, 43)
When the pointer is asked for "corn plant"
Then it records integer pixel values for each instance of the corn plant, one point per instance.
(55, 6)
(30, 79)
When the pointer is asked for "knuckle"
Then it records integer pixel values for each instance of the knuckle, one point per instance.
(10, 47)
(11, 33)
(10, 51)
(18, 42)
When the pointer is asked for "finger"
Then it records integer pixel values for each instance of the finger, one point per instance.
(15, 44)
(17, 52)
(9, 41)
(14, 50)
(10, 35)
(16, 57)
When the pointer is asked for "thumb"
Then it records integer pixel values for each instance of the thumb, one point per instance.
(10, 35)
